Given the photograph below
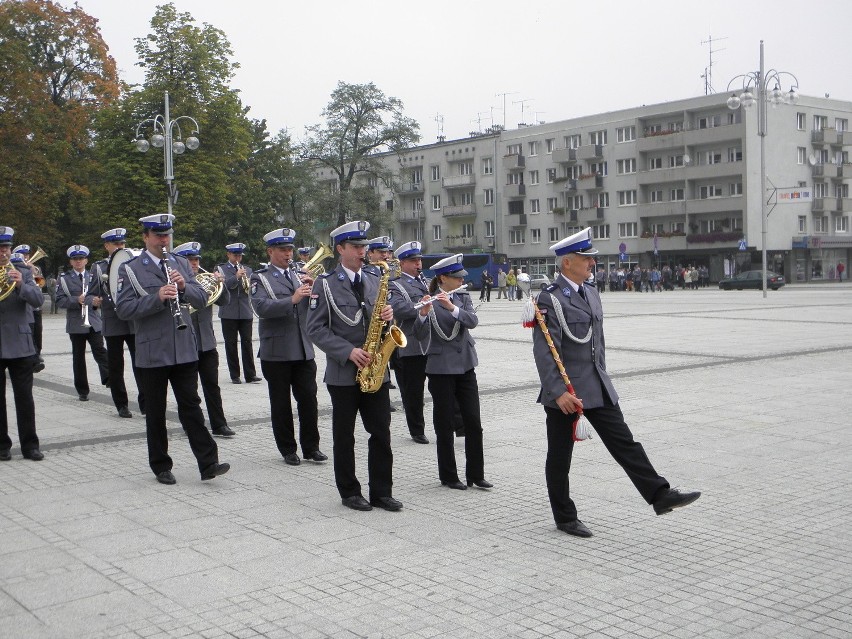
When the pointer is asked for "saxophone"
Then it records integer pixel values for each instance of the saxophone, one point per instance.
(380, 348)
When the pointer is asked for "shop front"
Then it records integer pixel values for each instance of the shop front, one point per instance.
(820, 259)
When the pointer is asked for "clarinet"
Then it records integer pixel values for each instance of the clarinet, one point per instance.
(177, 313)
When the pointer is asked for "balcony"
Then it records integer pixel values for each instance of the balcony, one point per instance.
(459, 181)
(838, 174)
(659, 140)
(661, 176)
(844, 204)
(590, 182)
(818, 170)
(566, 183)
(521, 221)
(514, 162)
(670, 243)
(514, 191)
(463, 210)
(710, 171)
(662, 209)
(409, 217)
(410, 187)
(460, 243)
(590, 152)
(819, 205)
(565, 156)
(724, 204)
(831, 136)
(714, 134)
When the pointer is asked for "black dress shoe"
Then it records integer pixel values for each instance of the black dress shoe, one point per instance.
(455, 485)
(225, 431)
(317, 456)
(420, 439)
(253, 380)
(356, 502)
(388, 503)
(83, 398)
(576, 528)
(236, 380)
(674, 498)
(166, 477)
(124, 412)
(5, 455)
(214, 470)
(35, 454)
(292, 459)
(39, 367)
(480, 483)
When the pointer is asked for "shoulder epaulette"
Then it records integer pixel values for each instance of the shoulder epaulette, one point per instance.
(551, 288)
(261, 270)
(363, 270)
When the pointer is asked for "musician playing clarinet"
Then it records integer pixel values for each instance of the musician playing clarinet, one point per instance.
(573, 315)
(152, 290)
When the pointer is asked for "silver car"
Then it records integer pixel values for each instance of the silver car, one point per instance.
(539, 281)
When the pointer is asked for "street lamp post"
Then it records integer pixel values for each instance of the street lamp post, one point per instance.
(164, 136)
(760, 80)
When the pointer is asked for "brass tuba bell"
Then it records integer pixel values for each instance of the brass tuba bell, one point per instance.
(314, 265)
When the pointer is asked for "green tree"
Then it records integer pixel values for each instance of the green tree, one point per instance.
(360, 122)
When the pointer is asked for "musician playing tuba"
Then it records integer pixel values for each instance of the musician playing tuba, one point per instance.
(339, 318)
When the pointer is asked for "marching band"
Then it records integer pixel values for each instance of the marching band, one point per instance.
(366, 314)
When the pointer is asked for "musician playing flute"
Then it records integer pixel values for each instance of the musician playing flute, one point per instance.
(152, 290)
(573, 315)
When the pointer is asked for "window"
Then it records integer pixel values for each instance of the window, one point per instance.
(436, 172)
(535, 236)
(657, 196)
(572, 141)
(801, 155)
(712, 190)
(575, 202)
(487, 166)
(548, 145)
(841, 124)
(597, 137)
(820, 189)
(820, 122)
(625, 134)
(623, 167)
(389, 205)
(675, 160)
(714, 157)
(658, 229)
(552, 203)
(735, 154)
(465, 198)
(627, 229)
(417, 204)
(573, 172)
(416, 175)
(533, 148)
(626, 198)
(841, 224)
(709, 122)
(513, 149)
(535, 206)
(436, 232)
(598, 168)
(737, 224)
(488, 196)
(516, 236)
(551, 175)
(676, 195)
(821, 224)
(489, 228)
(822, 156)
(467, 230)
(803, 224)
(841, 190)
(800, 121)
(655, 163)
(676, 227)
(533, 177)
(515, 178)
(418, 233)
(465, 168)
(516, 207)
(600, 232)
(736, 188)
(603, 200)
(436, 202)
(553, 234)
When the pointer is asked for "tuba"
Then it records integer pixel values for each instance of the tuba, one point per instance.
(314, 265)
(380, 348)
(38, 276)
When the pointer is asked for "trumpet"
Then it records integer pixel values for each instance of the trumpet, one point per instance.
(455, 290)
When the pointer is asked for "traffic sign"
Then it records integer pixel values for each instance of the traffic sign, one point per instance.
(743, 245)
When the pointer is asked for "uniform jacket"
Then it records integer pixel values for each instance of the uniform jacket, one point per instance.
(404, 312)
(112, 326)
(332, 335)
(68, 289)
(584, 363)
(202, 323)
(16, 312)
(449, 357)
(158, 342)
(282, 327)
(238, 304)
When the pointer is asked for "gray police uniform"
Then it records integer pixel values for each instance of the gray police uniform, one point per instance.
(337, 323)
(165, 355)
(68, 289)
(237, 318)
(451, 367)
(575, 323)
(116, 333)
(16, 354)
(208, 362)
(286, 358)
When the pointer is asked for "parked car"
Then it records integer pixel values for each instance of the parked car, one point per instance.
(539, 281)
(752, 279)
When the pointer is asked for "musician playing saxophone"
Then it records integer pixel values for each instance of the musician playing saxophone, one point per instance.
(339, 317)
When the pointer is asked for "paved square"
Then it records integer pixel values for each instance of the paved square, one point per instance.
(745, 399)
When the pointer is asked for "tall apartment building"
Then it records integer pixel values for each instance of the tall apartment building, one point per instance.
(674, 183)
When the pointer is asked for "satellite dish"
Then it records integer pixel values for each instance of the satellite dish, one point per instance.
(812, 159)
(686, 158)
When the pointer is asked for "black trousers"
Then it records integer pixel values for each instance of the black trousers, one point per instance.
(464, 390)
(608, 422)
(300, 377)
(208, 374)
(21, 374)
(115, 364)
(37, 331)
(346, 403)
(411, 377)
(184, 381)
(231, 329)
(78, 352)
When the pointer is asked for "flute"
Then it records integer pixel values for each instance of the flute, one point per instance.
(455, 290)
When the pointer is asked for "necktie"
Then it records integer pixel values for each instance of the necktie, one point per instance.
(422, 279)
(582, 291)
(81, 277)
(163, 269)
(358, 286)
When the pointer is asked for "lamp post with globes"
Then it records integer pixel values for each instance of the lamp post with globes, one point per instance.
(760, 82)
(164, 136)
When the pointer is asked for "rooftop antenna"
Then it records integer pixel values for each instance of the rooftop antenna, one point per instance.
(522, 103)
(439, 120)
(537, 121)
(504, 104)
(708, 70)
(478, 120)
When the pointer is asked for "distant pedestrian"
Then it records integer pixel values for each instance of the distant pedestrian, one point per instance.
(512, 283)
(501, 284)
(840, 268)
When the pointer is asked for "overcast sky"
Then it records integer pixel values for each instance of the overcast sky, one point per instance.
(452, 57)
